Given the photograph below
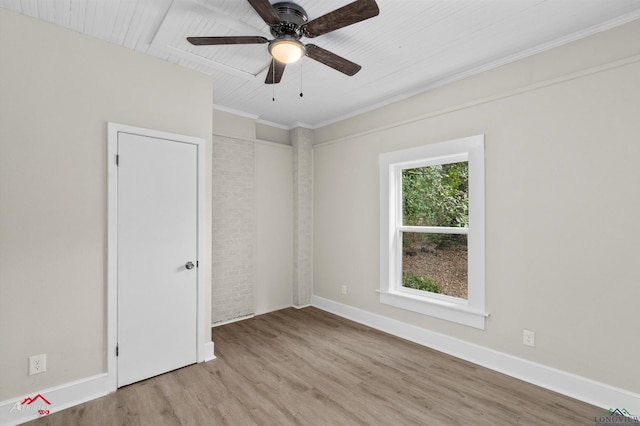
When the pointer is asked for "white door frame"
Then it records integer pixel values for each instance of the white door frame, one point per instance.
(203, 345)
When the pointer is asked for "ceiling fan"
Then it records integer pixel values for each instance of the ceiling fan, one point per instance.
(289, 23)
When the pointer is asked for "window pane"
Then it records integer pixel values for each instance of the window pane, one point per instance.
(436, 195)
(435, 263)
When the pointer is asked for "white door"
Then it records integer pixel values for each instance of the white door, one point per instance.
(157, 246)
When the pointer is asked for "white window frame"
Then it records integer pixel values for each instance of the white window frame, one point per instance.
(470, 311)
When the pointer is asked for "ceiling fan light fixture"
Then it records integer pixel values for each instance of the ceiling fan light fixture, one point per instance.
(286, 50)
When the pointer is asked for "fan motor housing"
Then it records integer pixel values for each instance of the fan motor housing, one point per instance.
(292, 17)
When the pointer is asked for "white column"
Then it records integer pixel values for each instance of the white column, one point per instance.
(301, 140)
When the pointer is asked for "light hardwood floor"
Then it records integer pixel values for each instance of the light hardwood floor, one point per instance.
(309, 367)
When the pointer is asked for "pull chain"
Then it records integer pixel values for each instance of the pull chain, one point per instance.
(301, 79)
(273, 79)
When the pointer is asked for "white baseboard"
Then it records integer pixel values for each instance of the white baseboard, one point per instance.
(580, 388)
(272, 308)
(218, 324)
(13, 412)
(209, 352)
(301, 306)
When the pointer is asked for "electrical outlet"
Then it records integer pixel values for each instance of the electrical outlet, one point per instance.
(37, 364)
(528, 338)
(344, 289)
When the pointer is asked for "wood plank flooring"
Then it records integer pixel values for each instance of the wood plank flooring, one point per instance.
(309, 367)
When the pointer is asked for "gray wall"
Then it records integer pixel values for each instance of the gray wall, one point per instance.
(58, 90)
(561, 167)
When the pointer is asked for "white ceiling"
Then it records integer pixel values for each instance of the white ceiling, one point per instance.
(411, 47)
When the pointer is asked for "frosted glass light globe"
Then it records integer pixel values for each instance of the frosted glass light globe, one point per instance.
(286, 51)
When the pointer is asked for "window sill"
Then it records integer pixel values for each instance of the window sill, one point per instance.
(447, 310)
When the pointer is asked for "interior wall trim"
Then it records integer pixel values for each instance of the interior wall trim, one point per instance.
(571, 385)
(485, 99)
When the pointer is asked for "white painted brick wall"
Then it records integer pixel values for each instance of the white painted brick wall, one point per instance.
(233, 228)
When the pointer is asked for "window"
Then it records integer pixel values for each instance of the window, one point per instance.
(432, 230)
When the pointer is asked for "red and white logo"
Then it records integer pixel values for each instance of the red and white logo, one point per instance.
(38, 403)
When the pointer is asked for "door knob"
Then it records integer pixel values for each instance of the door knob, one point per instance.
(189, 265)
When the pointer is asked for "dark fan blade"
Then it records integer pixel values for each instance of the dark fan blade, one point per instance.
(276, 69)
(350, 14)
(266, 11)
(331, 59)
(208, 41)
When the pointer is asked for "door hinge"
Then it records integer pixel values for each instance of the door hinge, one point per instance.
(197, 264)
(117, 350)
(117, 160)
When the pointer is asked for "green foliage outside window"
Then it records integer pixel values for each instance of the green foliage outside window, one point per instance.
(436, 195)
(420, 282)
